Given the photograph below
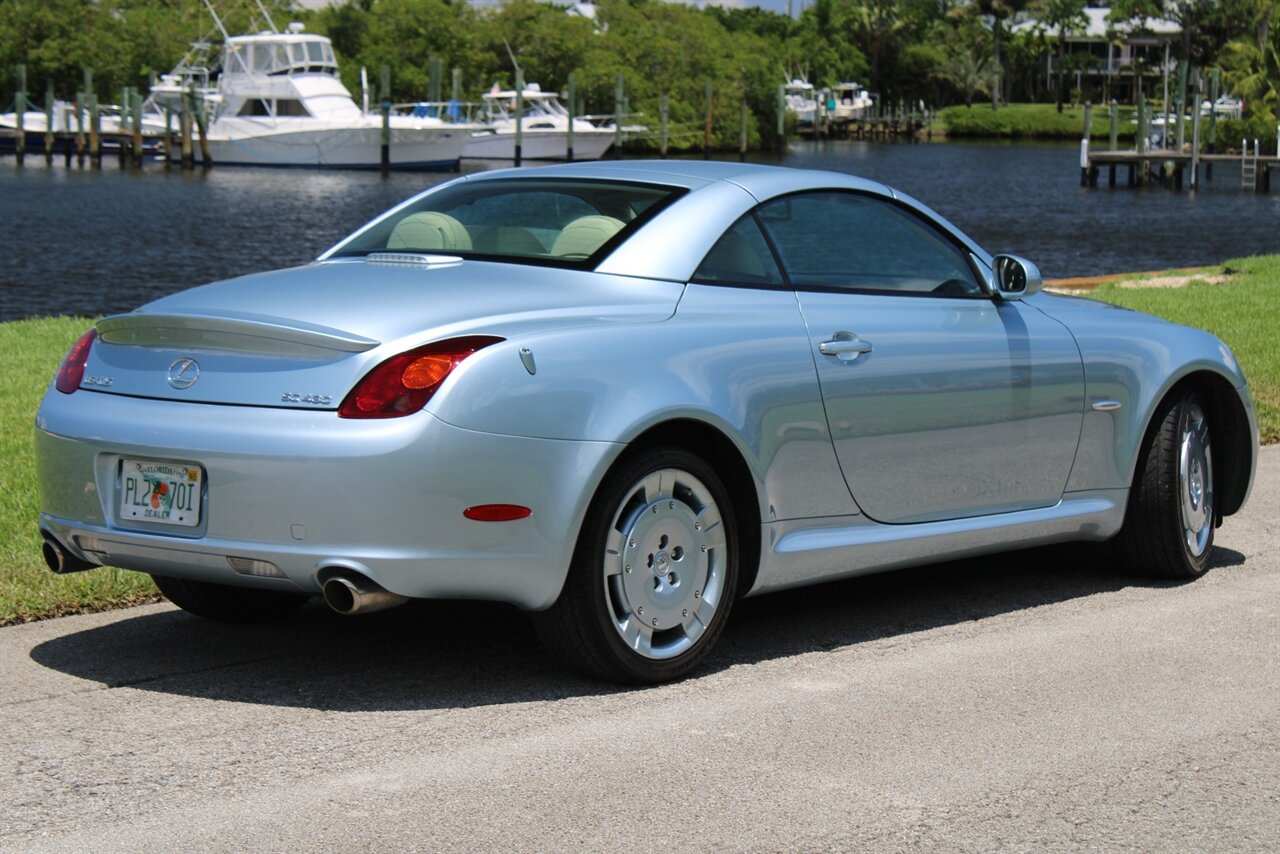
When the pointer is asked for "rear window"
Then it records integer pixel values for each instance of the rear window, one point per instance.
(573, 223)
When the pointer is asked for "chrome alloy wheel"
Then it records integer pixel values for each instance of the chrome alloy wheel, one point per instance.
(1195, 480)
(664, 564)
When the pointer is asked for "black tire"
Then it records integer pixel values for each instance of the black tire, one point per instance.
(642, 546)
(228, 604)
(1169, 523)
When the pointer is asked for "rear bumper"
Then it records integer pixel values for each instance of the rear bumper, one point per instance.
(307, 491)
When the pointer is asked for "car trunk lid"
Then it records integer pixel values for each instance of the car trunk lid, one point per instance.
(303, 337)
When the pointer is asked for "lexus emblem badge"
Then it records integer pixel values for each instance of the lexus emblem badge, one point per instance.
(183, 374)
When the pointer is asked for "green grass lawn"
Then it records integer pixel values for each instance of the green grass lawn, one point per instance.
(1244, 312)
(1032, 121)
(30, 351)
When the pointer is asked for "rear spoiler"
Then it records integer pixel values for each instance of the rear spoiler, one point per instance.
(227, 331)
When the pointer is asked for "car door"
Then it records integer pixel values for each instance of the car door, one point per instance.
(942, 401)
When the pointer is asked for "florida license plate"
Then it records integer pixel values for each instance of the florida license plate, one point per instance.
(166, 493)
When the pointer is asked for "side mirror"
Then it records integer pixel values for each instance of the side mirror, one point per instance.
(1016, 277)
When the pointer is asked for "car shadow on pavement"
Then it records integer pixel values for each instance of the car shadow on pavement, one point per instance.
(433, 655)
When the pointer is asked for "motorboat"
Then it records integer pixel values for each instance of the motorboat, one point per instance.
(278, 101)
(544, 128)
(852, 102)
(801, 103)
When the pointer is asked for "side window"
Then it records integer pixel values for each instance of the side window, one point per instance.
(740, 257)
(855, 242)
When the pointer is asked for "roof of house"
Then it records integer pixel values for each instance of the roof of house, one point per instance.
(1098, 26)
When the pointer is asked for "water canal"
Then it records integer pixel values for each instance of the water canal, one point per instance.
(76, 241)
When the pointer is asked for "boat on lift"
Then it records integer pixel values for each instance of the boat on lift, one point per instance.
(852, 102)
(802, 104)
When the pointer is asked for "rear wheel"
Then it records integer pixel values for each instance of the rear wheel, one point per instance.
(228, 604)
(1168, 526)
(654, 574)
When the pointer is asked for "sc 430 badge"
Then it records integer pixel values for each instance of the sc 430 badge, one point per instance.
(312, 399)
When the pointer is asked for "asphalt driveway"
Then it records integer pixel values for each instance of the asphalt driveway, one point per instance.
(1032, 701)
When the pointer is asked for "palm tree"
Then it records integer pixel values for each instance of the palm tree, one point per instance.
(1067, 16)
(999, 11)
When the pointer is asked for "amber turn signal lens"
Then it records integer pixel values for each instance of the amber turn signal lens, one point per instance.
(403, 384)
(427, 371)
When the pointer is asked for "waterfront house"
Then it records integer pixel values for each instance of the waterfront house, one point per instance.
(1105, 59)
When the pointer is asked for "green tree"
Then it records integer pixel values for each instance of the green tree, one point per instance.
(967, 65)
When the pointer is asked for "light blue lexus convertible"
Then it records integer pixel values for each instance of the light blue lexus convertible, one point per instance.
(621, 396)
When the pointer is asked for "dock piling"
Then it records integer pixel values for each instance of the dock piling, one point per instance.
(619, 107)
(202, 127)
(1113, 135)
(663, 107)
(385, 107)
(519, 152)
(167, 147)
(1181, 100)
(1084, 144)
(95, 132)
(81, 104)
(571, 95)
(20, 115)
(1195, 134)
(123, 153)
(435, 79)
(781, 108)
(48, 124)
(135, 110)
(706, 127)
(184, 129)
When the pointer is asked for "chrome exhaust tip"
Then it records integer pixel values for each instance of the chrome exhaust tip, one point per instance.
(59, 560)
(353, 594)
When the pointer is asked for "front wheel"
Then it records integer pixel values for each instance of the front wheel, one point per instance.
(228, 604)
(653, 576)
(1168, 526)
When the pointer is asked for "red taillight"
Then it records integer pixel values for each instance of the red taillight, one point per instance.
(72, 370)
(403, 384)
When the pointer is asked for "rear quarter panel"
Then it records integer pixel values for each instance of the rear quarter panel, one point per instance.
(735, 359)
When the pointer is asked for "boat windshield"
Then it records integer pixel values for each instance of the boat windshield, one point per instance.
(558, 222)
(279, 56)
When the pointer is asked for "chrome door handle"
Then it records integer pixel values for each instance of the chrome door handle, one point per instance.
(845, 346)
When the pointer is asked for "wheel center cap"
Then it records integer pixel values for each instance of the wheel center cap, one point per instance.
(661, 563)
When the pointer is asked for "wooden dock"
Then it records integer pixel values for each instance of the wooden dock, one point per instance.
(1172, 168)
(1180, 165)
(128, 148)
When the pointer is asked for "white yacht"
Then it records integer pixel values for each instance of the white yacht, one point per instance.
(278, 101)
(544, 129)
